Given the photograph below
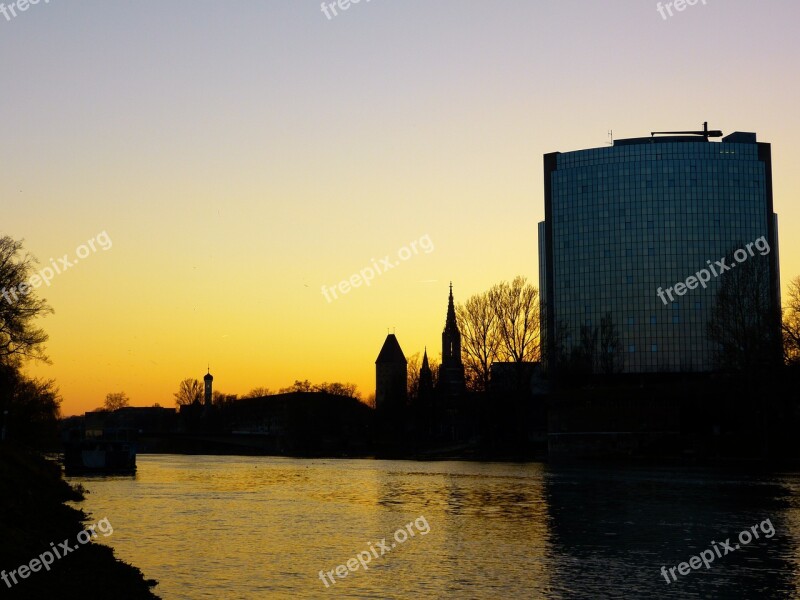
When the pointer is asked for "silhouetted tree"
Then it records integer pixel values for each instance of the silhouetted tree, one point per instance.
(189, 391)
(350, 390)
(480, 339)
(434, 364)
(258, 392)
(30, 409)
(20, 339)
(297, 386)
(220, 399)
(743, 323)
(610, 352)
(791, 324)
(598, 350)
(336, 389)
(587, 349)
(571, 361)
(516, 306)
(116, 400)
(413, 369)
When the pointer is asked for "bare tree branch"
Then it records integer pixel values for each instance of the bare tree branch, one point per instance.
(516, 306)
(480, 339)
(116, 400)
(189, 391)
(20, 339)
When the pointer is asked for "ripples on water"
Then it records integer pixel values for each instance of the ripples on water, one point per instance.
(246, 528)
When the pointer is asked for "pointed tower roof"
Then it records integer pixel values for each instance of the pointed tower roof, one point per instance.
(425, 369)
(208, 376)
(451, 325)
(391, 351)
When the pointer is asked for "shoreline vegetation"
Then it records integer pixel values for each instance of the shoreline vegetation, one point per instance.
(35, 517)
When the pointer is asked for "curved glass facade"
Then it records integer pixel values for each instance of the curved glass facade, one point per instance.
(623, 221)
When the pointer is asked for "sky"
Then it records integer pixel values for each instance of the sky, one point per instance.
(234, 158)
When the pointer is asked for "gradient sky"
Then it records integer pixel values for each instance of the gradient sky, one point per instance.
(241, 155)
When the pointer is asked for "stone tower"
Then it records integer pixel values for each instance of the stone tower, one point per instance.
(391, 376)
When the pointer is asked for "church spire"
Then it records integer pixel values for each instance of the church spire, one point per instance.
(451, 371)
(451, 325)
(451, 336)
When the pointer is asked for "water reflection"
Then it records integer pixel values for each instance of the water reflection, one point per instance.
(618, 528)
(246, 527)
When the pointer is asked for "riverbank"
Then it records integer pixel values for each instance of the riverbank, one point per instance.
(35, 521)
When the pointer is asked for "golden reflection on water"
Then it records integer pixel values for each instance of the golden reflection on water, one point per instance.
(239, 527)
(243, 527)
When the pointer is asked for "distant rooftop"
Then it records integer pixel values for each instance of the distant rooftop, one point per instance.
(391, 351)
(737, 137)
(689, 137)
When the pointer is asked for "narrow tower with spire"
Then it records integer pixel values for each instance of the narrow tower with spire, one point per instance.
(451, 371)
(208, 379)
(425, 379)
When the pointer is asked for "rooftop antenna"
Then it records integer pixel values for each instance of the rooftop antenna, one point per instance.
(610, 141)
(705, 133)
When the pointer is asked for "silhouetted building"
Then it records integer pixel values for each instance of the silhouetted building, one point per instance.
(515, 377)
(208, 381)
(298, 424)
(630, 229)
(451, 371)
(425, 391)
(391, 376)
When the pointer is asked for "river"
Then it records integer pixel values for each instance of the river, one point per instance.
(265, 527)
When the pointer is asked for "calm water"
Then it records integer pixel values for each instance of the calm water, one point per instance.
(240, 527)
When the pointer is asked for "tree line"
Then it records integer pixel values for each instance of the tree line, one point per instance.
(498, 325)
(29, 407)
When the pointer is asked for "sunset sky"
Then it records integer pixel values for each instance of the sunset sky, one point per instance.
(241, 155)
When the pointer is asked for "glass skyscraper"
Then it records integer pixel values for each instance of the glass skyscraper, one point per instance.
(624, 221)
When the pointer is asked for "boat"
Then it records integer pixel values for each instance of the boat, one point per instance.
(97, 448)
(99, 456)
